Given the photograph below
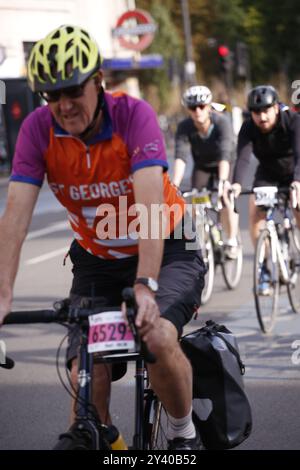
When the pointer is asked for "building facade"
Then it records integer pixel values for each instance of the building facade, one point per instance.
(23, 22)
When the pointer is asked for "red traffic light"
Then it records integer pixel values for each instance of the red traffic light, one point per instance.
(16, 111)
(223, 51)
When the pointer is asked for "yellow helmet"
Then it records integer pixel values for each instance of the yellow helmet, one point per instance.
(65, 57)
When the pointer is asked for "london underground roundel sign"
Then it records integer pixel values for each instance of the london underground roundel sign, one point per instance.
(135, 30)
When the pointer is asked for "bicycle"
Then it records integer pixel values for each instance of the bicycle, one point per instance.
(121, 342)
(206, 213)
(277, 252)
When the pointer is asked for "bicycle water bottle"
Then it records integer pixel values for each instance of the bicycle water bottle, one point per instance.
(115, 438)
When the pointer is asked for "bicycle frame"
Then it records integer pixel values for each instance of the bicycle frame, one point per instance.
(87, 422)
(276, 252)
(138, 437)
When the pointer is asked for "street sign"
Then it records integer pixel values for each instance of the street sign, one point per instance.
(135, 30)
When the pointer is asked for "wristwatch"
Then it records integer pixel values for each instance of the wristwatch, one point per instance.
(149, 282)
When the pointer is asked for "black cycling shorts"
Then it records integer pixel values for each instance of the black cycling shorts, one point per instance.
(181, 282)
(265, 178)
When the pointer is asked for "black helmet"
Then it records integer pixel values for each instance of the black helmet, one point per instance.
(262, 96)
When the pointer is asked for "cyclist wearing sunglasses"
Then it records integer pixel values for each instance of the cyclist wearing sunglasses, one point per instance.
(96, 148)
(208, 136)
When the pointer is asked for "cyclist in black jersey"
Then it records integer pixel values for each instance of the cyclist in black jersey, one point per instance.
(272, 134)
(208, 135)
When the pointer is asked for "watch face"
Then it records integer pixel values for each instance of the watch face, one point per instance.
(153, 284)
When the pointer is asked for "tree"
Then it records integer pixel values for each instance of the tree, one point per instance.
(270, 30)
(168, 43)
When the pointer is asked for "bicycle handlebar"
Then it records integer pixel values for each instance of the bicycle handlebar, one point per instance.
(283, 190)
(38, 316)
(64, 313)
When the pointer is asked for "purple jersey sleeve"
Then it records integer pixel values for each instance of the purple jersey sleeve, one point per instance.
(33, 140)
(136, 121)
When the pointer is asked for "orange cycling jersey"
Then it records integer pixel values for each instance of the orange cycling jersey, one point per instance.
(93, 180)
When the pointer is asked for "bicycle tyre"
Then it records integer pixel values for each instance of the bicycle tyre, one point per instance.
(209, 261)
(293, 287)
(70, 441)
(79, 439)
(232, 268)
(155, 424)
(266, 315)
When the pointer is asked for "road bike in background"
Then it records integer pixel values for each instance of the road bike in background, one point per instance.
(205, 206)
(277, 255)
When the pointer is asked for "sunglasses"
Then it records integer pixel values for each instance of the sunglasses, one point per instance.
(71, 92)
(193, 108)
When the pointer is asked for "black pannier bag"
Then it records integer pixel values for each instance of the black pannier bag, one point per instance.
(221, 410)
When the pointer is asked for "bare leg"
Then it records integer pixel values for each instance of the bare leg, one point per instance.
(101, 390)
(256, 220)
(297, 217)
(171, 375)
(230, 221)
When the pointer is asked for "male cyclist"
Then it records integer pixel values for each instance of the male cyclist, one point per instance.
(104, 151)
(209, 136)
(272, 134)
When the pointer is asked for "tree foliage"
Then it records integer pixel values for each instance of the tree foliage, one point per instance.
(168, 43)
(271, 30)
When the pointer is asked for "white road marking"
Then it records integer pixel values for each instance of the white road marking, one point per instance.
(59, 226)
(47, 256)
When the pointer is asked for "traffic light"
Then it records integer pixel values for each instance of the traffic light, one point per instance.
(225, 58)
(242, 60)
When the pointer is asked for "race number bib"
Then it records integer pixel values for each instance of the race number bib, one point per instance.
(109, 332)
(202, 199)
(265, 196)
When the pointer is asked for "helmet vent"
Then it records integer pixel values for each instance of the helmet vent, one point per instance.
(41, 72)
(69, 44)
(85, 60)
(85, 43)
(69, 29)
(56, 35)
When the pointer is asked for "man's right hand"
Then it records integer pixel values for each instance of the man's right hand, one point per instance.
(236, 188)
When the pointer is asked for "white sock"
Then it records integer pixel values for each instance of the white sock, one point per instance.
(232, 242)
(181, 427)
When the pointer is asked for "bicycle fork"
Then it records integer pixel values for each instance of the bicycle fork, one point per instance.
(276, 253)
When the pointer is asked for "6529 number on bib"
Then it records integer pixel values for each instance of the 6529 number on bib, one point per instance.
(109, 332)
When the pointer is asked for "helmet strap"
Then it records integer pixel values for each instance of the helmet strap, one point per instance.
(99, 107)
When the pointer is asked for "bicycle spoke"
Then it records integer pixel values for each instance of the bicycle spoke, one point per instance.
(156, 421)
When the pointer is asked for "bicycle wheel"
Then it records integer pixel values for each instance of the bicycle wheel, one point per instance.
(73, 441)
(232, 268)
(209, 260)
(265, 303)
(155, 424)
(293, 287)
(79, 439)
